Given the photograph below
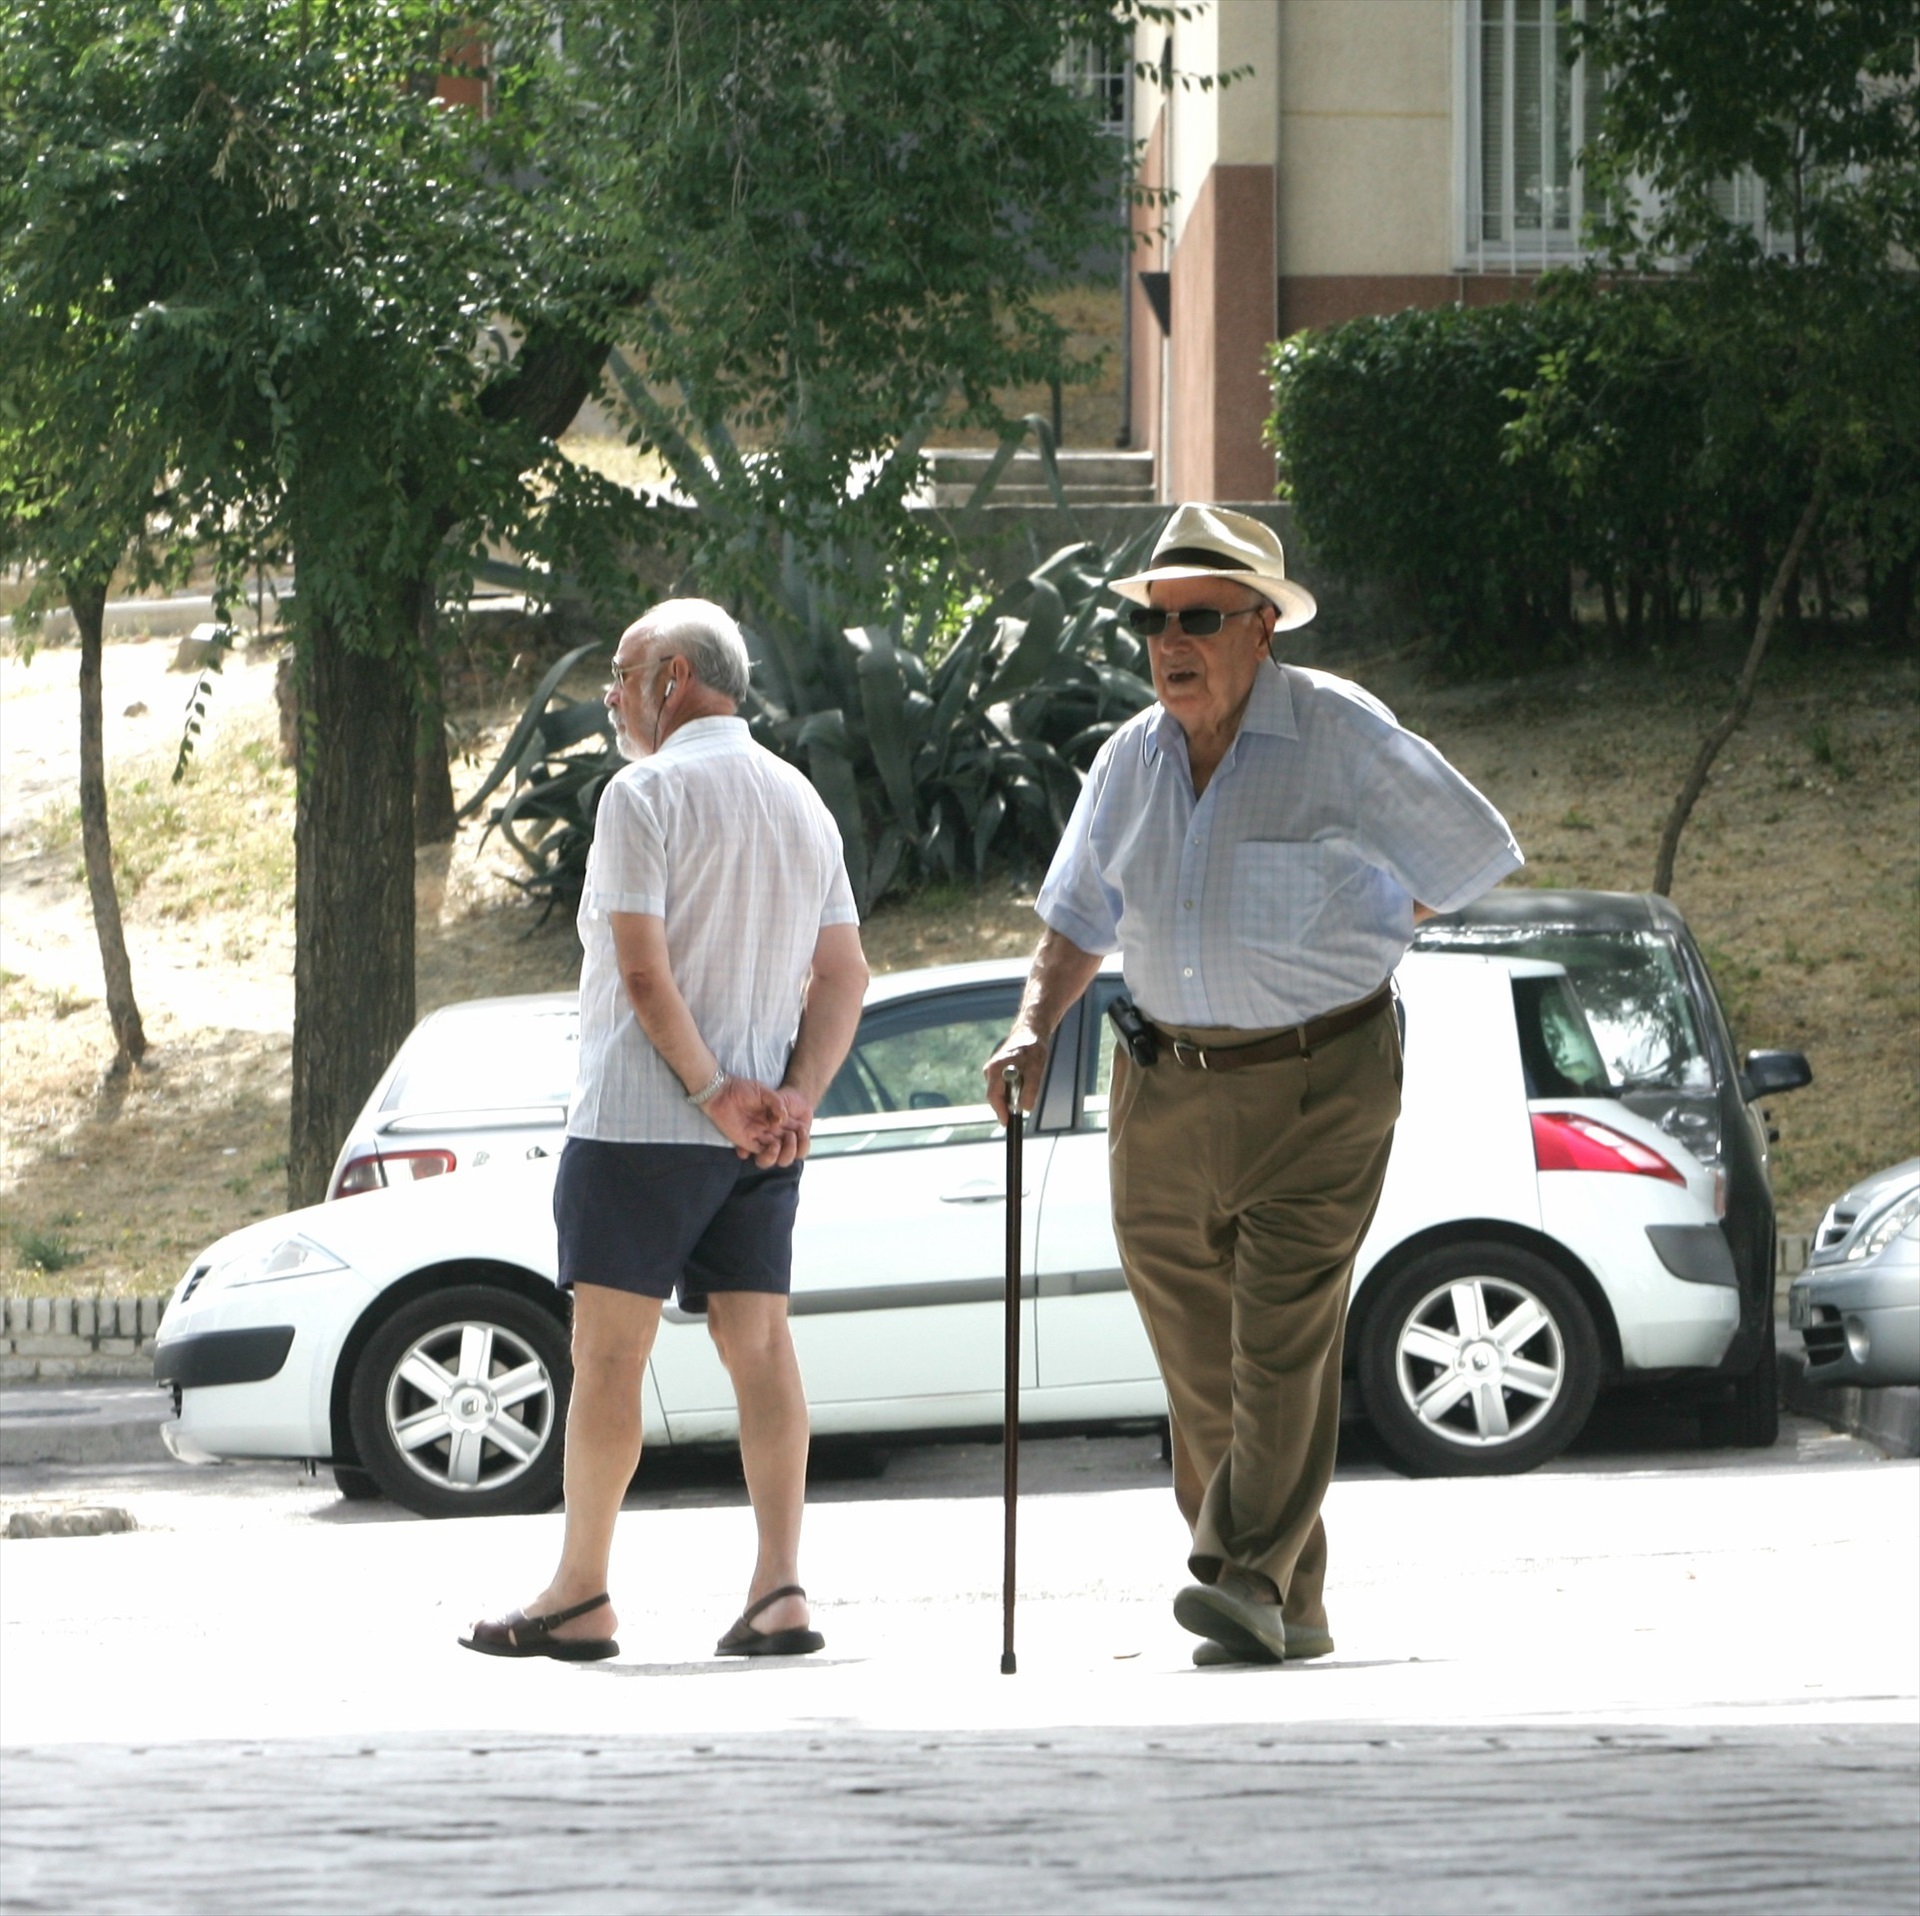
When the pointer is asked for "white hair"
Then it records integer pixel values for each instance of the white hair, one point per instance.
(709, 638)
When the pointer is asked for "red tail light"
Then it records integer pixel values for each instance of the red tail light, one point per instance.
(1564, 1141)
(380, 1169)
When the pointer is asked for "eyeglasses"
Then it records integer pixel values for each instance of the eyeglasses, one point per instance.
(1197, 621)
(618, 675)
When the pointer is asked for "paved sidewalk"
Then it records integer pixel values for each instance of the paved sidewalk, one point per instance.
(1623, 1691)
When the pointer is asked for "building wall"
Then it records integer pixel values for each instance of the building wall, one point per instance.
(1223, 323)
(1322, 185)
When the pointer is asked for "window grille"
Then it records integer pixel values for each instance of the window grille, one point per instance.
(1528, 115)
(1099, 72)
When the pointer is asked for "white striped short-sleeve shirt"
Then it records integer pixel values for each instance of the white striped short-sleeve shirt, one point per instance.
(1287, 888)
(735, 851)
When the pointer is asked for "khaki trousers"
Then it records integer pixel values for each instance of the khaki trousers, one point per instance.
(1239, 1200)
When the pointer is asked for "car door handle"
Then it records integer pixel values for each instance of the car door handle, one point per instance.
(980, 1191)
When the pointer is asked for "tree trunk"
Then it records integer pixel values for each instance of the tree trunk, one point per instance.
(353, 893)
(433, 819)
(1735, 715)
(89, 607)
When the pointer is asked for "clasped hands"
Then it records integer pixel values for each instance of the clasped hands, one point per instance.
(772, 1126)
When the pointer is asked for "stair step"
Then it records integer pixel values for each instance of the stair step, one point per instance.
(954, 465)
(952, 497)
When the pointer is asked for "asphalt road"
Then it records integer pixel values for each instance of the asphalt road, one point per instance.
(1651, 1677)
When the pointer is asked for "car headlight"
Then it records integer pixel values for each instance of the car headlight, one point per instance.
(1882, 1230)
(291, 1257)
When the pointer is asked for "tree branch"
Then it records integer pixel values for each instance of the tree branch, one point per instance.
(1735, 715)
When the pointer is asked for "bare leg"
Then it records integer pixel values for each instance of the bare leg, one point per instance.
(750, 1330)
(613, 1334)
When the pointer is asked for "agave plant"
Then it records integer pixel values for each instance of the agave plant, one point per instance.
(931, 761)
(558, 756)
(934, 750)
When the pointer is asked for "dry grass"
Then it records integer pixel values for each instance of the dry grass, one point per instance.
(1801, 874)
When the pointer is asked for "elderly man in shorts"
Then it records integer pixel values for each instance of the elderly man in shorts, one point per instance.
(1259, 844)
(719, 992)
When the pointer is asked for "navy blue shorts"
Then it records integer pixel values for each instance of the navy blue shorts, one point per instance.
(650, 1218)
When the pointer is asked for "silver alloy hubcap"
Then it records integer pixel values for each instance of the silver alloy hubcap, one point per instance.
(470, 1406)
(1480, 1361)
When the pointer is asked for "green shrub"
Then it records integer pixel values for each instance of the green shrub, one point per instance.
(1647, 441)
(1392, 436)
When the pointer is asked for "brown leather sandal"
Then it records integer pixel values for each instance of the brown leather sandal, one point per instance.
(519, 1635)
(743, 1640)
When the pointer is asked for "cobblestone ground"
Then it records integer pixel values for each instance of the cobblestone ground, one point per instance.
(1402, 1822)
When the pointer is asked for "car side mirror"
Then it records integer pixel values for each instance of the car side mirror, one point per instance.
(1766, 1072)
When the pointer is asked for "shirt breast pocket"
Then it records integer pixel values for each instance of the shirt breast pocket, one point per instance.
(1278, 891)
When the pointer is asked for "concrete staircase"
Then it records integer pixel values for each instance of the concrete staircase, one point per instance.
(1090, 478)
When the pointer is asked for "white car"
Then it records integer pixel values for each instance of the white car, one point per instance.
(474, 1084)
(1534, 1240)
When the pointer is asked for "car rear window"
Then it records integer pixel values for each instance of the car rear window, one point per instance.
(487, 1062)
(1557, 1051)
(1628, 983)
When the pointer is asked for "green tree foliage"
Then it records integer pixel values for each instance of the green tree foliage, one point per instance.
(362, 318)
(1806, 345)
(275, 237)
(1817, 103)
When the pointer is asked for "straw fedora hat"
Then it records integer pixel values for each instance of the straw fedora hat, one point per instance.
(1204, 542)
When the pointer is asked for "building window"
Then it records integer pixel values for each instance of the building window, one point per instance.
(1099, 72)
(1528, 116)
(1528, 113)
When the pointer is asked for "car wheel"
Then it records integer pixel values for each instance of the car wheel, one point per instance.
(355, 1485)
(459, 1404)
(1477, 1360)
(1748, 1418)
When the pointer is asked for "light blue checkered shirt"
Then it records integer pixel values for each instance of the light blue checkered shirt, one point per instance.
(735, 851)
(1287, 889)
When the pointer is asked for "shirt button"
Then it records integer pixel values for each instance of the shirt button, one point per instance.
(1188, 973)
(1188, 905)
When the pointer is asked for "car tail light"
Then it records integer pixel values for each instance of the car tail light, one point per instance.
(1565, 1141)
(379, 1169)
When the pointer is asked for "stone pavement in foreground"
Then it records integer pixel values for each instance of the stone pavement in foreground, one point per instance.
(1637, 1691)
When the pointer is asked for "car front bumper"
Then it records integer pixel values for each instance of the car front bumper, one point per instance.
(1860, 1327)
(253, 1366)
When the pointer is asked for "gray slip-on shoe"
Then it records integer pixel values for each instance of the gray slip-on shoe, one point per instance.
(1253, 1631)
(1301, 1645)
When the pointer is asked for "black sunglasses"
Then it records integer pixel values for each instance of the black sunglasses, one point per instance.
(1197, 621)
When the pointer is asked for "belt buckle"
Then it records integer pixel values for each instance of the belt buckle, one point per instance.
(1193, 1056)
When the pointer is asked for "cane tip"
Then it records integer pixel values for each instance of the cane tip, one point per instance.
(1008, 1665)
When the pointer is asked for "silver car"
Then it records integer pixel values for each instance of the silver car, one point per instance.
(1858, 1304)
(477, 1083)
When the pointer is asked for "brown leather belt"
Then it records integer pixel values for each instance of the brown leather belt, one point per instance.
(1297, 1042)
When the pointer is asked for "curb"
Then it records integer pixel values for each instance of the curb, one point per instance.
(1889, 1418)
(48, 1338)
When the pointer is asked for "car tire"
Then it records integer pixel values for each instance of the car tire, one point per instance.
(1478, 1360)
(458, 1404)
(355, 1485)
(1748, 1417)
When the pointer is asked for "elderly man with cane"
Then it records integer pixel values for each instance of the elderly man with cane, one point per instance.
(1259, 845)
(720, 988)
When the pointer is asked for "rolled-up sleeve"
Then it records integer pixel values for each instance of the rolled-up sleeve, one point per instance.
(1076, 900)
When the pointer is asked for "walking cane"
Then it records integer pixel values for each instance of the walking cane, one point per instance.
(1016, 1125)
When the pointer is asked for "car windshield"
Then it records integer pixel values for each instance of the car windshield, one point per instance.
(482, 1062)
(1628, 983)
